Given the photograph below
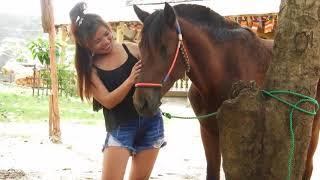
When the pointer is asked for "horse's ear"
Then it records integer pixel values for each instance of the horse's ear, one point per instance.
(142, 15)
(169, 15)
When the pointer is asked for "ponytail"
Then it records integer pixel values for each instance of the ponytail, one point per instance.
(83, 27)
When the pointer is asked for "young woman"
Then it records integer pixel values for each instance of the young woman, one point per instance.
(107, 72)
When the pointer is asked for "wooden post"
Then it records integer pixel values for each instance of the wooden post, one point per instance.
(34, 79)
(64, 33)
(48, 26)
(120, 29)
(50, 116)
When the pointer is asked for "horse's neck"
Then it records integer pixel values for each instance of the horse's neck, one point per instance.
(199, 48)
(208, 61)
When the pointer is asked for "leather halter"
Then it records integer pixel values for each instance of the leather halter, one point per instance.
(180, 46)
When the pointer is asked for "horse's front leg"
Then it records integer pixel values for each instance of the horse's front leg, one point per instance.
(313, 142)
(209, 135)
(210, 140)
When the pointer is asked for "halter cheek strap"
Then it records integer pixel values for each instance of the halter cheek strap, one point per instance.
(141, 84)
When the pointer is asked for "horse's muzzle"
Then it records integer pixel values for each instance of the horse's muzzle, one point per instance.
(146, 105)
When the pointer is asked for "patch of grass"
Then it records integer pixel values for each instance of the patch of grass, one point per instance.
(18, 105)
(22, 107)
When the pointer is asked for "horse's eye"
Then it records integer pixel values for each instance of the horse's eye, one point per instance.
(163, 51)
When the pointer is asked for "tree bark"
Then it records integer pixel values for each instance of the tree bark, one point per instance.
(256, 145)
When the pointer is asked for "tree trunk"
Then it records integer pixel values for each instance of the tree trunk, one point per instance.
(256, 145)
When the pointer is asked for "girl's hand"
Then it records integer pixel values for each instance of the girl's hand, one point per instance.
(135, 72)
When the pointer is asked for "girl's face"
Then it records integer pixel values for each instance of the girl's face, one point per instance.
(101, 42)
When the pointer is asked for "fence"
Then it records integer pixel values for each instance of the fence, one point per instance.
(180, 88)
(40, 82)
(66, 83)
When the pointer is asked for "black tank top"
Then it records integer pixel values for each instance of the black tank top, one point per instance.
(112, 79)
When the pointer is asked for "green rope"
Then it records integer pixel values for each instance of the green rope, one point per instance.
(169, 116)
(293, 107)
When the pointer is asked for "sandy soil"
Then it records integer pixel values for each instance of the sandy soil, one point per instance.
(26, 152)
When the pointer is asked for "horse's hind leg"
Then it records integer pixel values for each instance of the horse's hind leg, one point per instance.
(313, 141)
(209, 135)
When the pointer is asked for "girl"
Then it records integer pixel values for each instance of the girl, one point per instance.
(107, 72)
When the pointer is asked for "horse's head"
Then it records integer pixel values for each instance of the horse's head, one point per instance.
(158, 48)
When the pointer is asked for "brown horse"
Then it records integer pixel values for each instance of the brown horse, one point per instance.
(214, 53)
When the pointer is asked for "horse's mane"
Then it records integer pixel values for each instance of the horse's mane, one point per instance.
(219, 28)
(203, 16)
(216, 26)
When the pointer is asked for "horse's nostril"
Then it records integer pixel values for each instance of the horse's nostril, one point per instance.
(141, 104)
(145, 104)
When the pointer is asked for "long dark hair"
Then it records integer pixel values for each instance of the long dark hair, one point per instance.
(83, 27)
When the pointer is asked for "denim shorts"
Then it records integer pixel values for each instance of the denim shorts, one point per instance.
(138, 134)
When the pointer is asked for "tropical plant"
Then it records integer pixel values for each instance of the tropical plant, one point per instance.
(40, 49)
(66, 79)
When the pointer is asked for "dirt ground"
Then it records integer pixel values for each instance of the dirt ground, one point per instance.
(26, 152)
